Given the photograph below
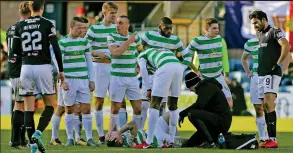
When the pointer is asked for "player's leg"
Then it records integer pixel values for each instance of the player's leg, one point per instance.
(175, 90)
(134, 95)
(117, 92)
(161, 86)
(18, 139)
(123, 113)
(258, 106)
(56, 119)
(271, 87)
(102, 82)
(145, 101)
(226, 90)
(78, 125)
(26, 89)
(84, 97)
(43, 76)
(163, 106)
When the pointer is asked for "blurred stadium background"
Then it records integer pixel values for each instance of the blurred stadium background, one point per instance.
(188, 17)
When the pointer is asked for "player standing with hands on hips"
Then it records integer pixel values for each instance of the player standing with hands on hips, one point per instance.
(273, 50)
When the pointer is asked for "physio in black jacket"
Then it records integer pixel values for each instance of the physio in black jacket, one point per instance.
(210, 114)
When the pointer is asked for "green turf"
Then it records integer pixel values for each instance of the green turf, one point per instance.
(285, 146)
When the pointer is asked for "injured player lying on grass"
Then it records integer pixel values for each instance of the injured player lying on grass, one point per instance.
(129, 136)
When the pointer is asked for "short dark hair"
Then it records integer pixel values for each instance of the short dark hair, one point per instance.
(112, 143)
(210, 21)
(24, 8)
(259, 14)
(76, 19)
(37, 4)
(166, 20)
(124, 16)
(84, 20)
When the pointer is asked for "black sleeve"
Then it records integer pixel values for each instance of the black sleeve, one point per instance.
(16, 43)
(57, 52)
(205, 93)
(278, 34)
(55, 45)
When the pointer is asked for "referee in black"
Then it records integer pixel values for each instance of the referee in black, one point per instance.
(273, 50)
(210, 114)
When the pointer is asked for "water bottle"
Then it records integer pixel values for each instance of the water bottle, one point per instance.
(222, 141)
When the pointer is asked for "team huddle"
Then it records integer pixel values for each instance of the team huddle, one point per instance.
(106, 57)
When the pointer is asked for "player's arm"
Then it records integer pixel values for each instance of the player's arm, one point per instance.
(54, 42)
(280, 37)
(131, 126)
(142, 62)
(225, 59)
(201, 102)
(245, 55)
(286, 63)
(191, 49)
(116, 50)
(89, 62)
(144, 41)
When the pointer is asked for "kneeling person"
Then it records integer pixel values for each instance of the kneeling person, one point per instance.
(210, 114)
(79, 82)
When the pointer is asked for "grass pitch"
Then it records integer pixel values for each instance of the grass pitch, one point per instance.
(285, 146)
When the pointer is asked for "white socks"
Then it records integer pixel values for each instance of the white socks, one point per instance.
(172, 124)
(77, 126)
(122, 117)
(114, 122)
(262, 128)
(69, 124)
(153, 120)
(100, 122)
(137, 120)
(144, 112)
(55, 126)
(87, 123)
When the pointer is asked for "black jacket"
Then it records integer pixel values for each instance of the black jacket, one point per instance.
(212, 99)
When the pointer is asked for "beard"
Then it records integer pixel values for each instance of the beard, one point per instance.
(165, 35)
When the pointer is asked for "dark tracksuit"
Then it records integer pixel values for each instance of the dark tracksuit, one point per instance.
(212, 109)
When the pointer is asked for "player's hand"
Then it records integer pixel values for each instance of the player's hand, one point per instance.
(149, 94)
(103, 55)
(180, 120)
(61, 76)
(92, 86)
(65, 86)
(275, 67)
(249, 74)
(131, 39)
(198, 74)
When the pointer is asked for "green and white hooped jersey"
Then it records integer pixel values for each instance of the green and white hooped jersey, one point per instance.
(251, 47)
(209, 53)
(73, 53)
(153, 39)
(140, 138)
(97, 35)
(125, 64)
(158, 57)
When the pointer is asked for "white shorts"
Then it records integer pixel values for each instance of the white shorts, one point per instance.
(120, 86)
(161, 132)
(15, 86)
(79, 91)
(225, 87)
(144, 89)
(254, 89)
(268, 84)
(36, 77)
(102, 81)
(168, 80)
